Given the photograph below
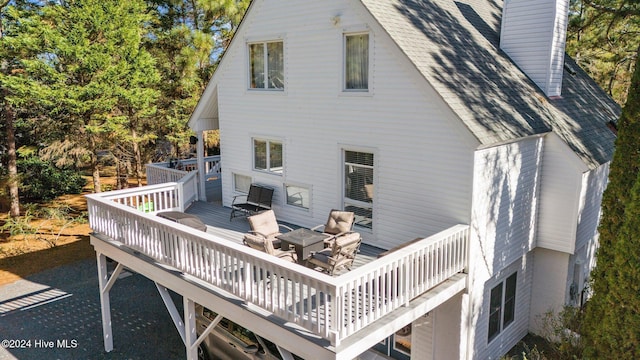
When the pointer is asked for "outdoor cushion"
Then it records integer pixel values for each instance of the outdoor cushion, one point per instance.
(346, 239)
(264, 223)
(339, 222)
(254, 242)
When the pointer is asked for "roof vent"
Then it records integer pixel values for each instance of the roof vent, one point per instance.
(570, 69)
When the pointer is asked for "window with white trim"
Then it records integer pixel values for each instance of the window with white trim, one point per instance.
(502, 306)
(356, 62)
(358, 186)
(266, 65)
(297, 195)
(267, 155)
(241, 183)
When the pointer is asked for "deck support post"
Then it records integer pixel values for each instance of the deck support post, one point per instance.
(187, 328)
(286, 354)
(105, 283)
(173, 311)
(190, 335)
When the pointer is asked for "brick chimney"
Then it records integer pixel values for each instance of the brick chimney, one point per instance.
(533, 34)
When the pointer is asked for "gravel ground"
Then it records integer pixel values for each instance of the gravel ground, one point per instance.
(55, 314)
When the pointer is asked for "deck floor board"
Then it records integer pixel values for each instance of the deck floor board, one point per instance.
(216, 217)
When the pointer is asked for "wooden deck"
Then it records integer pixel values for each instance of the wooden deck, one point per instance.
(217, 219)
(313, 314)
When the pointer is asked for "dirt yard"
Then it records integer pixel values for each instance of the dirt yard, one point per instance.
(50, 242)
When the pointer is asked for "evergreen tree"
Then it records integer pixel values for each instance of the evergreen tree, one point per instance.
(24, 80)
(603, 37)
(611, 326)
(188, 38)
(106, 78)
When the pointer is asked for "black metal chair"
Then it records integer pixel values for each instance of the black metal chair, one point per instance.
(257, 200)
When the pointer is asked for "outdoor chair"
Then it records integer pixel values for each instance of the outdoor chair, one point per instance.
(338, 224)
(257, 200)
(265, 245)
(265, 226)
(340, 255)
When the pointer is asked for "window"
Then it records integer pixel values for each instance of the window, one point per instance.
(297, 195)
(358, 186)
(356, 62)
(241, 183)
(266, 65)
(402, 340)
(502, 306)
(267, 155)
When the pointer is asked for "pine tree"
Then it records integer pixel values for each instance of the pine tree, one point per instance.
(23, 79)
(603, 38)
(106, 78)
(612, 322)
(188, 38)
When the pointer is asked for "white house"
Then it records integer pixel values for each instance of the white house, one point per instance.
(456, 111)
(420, 115)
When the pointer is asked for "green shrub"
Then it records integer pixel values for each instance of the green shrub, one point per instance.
(41, 180)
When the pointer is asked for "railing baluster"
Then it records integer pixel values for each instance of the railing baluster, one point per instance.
(332, 307)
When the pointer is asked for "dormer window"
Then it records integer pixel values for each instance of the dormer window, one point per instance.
(356, 62)
(266, 65)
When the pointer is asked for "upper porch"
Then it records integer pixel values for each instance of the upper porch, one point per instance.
(307, 312)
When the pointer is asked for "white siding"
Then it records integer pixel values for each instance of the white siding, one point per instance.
(559, 196)
(549, 285)
(423, 155)
(480, 348)
(593, 185)
(422, 338)
(569, 218)
(505, 197)
(446, 319)
(533, 34)
(506, 182)
(580, 266)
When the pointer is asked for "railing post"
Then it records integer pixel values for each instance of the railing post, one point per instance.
(180, 199)
(196, 191)
(202, 174)
(355, 299)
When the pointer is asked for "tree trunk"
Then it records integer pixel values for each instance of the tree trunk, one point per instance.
(137, 156)
(14, 210)
(95, 174)
(95, 169)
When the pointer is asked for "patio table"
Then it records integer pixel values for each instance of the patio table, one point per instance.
(304, 240)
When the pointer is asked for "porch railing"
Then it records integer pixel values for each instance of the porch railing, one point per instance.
(331, 307)
(173, 171)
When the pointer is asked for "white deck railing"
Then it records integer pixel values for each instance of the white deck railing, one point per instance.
(164, 172)
(331, 307)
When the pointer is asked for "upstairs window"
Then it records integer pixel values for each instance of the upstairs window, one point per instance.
(356, 62)
(267, 156)
(266, 65)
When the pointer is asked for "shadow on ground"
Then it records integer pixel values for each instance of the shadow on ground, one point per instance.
(56, 315)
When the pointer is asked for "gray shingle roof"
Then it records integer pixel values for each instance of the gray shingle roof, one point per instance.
(455, 45)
